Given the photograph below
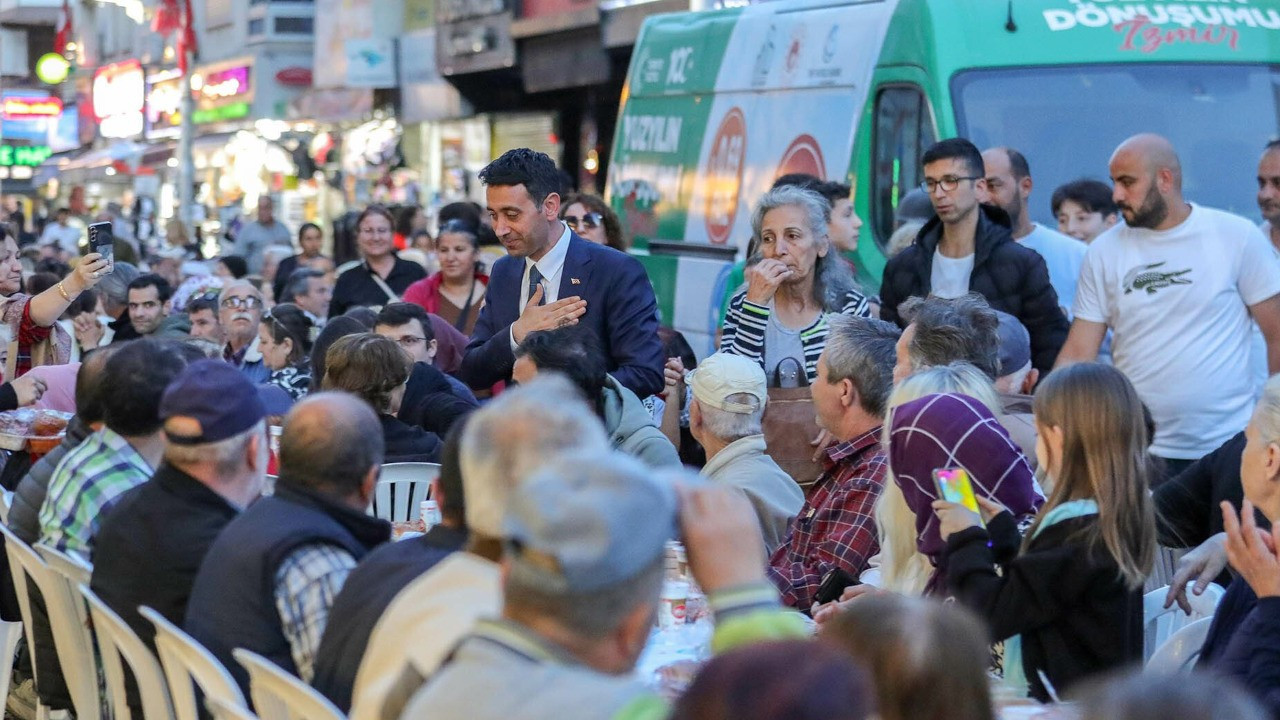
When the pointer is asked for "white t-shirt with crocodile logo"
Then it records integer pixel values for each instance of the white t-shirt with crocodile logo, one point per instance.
(1177, 303)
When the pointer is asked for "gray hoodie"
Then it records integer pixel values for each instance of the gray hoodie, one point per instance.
(631, 429)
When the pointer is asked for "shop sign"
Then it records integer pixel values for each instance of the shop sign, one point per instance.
(119, 97)
(294, 76)
(222, 113)
(223, 84)
(451, 11)
(164, 104)
(23, 155)
(371, 63)
(543, 8)
(31, 108)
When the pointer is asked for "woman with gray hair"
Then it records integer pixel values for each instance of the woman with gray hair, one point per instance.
(794, 279)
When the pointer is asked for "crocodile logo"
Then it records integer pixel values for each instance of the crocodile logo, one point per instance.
(1149, 278)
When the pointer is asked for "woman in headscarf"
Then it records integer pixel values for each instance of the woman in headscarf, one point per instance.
(955, 431)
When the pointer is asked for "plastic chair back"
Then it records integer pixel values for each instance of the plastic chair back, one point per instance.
(1159, 624)
(227, 711)
(1178, 654)
(117, 641)
(69, 619)
(187, 662)
(19, 554)
(401, 489)
(278, 695)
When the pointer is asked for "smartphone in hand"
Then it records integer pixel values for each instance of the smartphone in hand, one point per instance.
(102, 241)
(955, 486)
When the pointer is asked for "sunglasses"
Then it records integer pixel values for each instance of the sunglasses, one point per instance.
(589, 221)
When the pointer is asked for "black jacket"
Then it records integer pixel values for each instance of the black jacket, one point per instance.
(430, 402)
(1063, 595)
(408, 443)
(1188, 506)
(150, 547)
(232, 603)
(369, 590)
(1013, 279)
(1242, 643)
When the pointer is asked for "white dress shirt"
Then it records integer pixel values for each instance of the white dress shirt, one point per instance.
(552, 268)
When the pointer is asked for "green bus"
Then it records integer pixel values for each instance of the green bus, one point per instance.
(719, 103)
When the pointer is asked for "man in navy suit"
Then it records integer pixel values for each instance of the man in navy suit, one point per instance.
(551, 278)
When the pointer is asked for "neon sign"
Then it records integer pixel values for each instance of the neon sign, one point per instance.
(31, 108)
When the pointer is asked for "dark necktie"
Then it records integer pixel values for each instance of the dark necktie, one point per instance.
(535, 279)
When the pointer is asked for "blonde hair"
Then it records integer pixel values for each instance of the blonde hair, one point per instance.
(902, 566)
(1104, 447)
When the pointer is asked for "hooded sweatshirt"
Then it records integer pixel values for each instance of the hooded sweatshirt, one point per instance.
(631, 429)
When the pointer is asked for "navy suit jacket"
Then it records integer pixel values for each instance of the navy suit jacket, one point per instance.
(621, 310)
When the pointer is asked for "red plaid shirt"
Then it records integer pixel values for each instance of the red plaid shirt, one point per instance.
(836, 526)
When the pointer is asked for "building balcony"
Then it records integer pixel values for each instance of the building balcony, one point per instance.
(30, 12)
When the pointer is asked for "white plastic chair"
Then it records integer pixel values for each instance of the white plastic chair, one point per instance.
(186, 661)
(401, 489)
(278, 695)
(117, 641)
(1159, 624)
(20, 555)
(1178, 654)
(226, 711)
(69, 620)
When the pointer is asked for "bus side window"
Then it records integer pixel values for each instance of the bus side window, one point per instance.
(903, 131)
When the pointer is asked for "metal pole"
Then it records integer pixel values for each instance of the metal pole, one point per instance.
(186, 161)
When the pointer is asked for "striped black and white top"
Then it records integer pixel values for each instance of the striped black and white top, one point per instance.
(746, 322)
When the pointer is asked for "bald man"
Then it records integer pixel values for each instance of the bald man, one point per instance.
(1180, 286)
(271, 576)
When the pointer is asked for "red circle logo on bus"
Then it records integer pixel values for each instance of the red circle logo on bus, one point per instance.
(803, 156)
(724, 175)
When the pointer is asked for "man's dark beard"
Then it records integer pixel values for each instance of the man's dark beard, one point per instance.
(1154, 210)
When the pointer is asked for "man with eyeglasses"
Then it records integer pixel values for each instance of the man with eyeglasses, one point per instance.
(432, 399)
(968, 246)
(240, 312)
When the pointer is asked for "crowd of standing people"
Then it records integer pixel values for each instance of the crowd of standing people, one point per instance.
(1098, 388)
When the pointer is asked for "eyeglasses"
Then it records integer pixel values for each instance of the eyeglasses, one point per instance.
(589, 221)
(947, 183)
(242, 302)
(408, 341)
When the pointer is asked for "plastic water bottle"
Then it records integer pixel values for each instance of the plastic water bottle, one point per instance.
(430, 512)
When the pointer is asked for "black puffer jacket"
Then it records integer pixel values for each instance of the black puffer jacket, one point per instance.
(1013, 279)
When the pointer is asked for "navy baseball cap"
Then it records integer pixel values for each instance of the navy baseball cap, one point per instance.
(211, 401)
(1015, 344)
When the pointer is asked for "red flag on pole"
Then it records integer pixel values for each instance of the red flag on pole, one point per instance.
(186, 36)
(167, 18)
(63, 36)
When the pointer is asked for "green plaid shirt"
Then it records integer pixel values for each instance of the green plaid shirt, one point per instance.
(87, 483)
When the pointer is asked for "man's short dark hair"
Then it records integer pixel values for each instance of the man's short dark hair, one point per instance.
(963, 329)
(454, 503)
(203, 302)
(522, 166)
(401, 313)
(957, 149)
(133, 381)
(572, 351)
(1018, 164)
(89, 383)
(800, 180)
(298, 283)
(833, 191)
(331, 452)
(1092, 195)
(164, 290)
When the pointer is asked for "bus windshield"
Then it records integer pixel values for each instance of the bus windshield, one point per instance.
(1068, 120)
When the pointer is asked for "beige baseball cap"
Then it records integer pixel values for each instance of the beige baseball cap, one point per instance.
(722, 375)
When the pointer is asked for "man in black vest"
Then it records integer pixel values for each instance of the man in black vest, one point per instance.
(270, 578)
(152, 542)
(380, 577)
